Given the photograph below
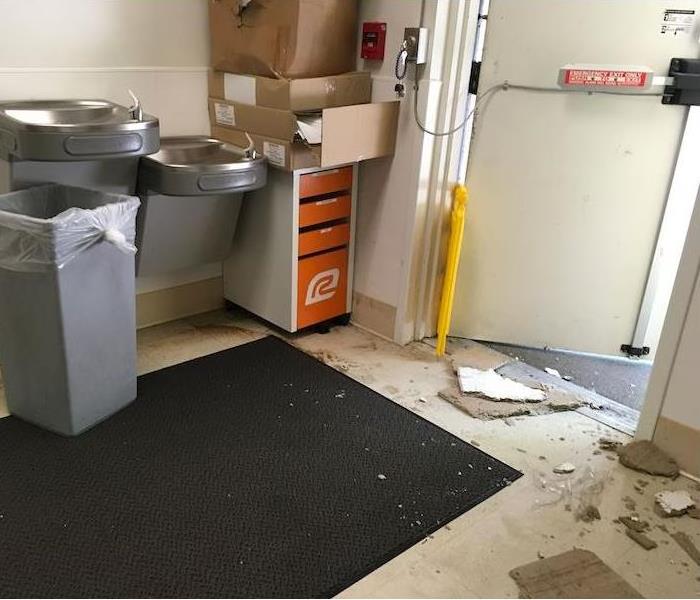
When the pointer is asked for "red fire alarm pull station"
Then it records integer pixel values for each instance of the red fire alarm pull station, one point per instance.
(373, 39)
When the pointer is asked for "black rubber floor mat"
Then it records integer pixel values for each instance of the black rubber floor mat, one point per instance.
(257, 471)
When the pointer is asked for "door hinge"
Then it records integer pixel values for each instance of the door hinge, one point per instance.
(474, 77)
(631, 350)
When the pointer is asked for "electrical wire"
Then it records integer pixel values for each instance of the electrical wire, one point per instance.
(503, 87)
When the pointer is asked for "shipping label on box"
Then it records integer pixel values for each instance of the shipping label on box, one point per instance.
(224, 114)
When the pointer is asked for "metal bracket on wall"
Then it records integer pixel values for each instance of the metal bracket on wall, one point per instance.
(631, 350)
(685, 88)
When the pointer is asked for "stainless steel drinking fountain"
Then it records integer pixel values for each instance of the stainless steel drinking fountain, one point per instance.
(94, 144)
(191, 193)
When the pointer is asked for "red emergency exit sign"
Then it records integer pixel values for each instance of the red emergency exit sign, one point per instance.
(591, 78)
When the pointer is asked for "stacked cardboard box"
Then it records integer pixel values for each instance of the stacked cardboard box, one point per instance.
(282, 74)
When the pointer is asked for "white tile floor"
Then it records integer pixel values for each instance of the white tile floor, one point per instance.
(471, 557)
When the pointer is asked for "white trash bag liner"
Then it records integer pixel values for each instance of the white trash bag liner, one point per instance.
(45, 227)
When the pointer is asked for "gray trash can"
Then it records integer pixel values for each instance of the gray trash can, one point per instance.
(67, 314)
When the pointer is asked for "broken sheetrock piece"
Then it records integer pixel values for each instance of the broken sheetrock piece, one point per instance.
(644, 541)
(634, 524)
(483, 409)
(573, 574)
(553, 372)
(647, 457)
(673, 503)
(684, 541)
(565, 467)
(496, 387)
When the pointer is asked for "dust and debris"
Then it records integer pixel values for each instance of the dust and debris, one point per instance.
(564, 468)
(554, 372)
(693, 513)
(642, 539)
(608, 444)
(381, 476)
(421, 399)
(673, 503)
(685, 542)
(474, 443)
(647, 457)
(588, 513)
(542, 457)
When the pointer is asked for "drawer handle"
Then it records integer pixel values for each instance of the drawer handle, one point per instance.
(327, 201)
(322, 173)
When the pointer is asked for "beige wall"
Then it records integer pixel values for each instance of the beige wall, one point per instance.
(387, 187)
(102, 48)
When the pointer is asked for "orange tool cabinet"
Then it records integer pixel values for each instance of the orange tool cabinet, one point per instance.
(291, 260)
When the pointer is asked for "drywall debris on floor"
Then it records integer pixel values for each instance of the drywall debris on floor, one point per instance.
(647, 457)
(574, 574)
(587, 513)
(634, 524)
(552, 371)
(608, 444)
(580, 495)
(565, 467)
(487, 410)
(673, 503)
(685, 542)
(492, 385)
(642, 539)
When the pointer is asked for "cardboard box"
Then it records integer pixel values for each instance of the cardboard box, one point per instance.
(284, 38)
(293, 94)
(350, 133)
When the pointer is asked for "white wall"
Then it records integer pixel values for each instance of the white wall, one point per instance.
(102, 48)
(682, 403)
(671, 412)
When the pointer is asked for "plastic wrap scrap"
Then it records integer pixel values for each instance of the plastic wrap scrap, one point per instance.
(45, 227)
(580, 492)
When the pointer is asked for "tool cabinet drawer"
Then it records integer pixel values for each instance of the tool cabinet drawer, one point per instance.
(325, 238)
(322, 287)
(325, 182)
(324, 210)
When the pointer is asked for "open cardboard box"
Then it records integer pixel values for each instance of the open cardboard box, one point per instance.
(292, 94)
(349, 133)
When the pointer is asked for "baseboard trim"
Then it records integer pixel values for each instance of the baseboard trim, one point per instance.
(373, 315)
(161, 306)
(681, 442)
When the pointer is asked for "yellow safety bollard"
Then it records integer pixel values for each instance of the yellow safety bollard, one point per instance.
(460, 197)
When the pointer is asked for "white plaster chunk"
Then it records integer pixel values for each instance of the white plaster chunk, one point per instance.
(674, 503)
(496, 387)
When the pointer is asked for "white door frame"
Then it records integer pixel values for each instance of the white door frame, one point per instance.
(678, 307)
(672, 234)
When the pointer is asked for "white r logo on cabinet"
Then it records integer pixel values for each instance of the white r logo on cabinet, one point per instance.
(322, 286)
